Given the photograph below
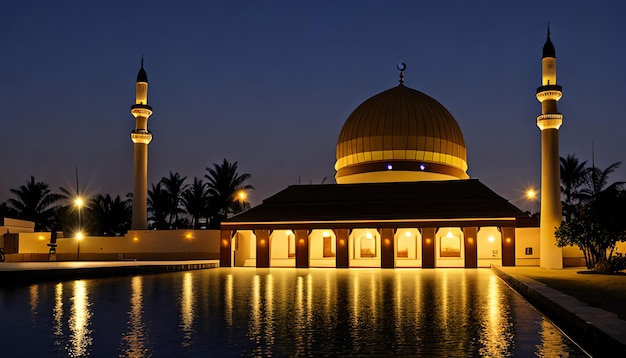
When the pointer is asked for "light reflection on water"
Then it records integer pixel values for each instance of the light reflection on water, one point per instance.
(80, 321)
(279, 312)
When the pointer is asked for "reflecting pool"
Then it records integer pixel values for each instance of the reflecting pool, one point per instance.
(278, 312)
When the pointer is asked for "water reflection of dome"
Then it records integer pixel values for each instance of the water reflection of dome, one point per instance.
(400, 135)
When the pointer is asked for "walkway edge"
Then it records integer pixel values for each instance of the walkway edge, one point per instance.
(599, 332)
(49, 272)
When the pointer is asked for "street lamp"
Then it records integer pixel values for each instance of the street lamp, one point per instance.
(531, 195)
(242, 195)
(79, 235)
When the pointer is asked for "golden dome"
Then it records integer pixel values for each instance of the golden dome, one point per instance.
(400, 135)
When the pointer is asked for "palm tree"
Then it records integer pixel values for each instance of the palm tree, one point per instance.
(573, 174)
(6, 211)
(224, 183)
(196, 201)
(174, 187)
(35, 202)
(595, 182)
(158, 206)
(108, 216)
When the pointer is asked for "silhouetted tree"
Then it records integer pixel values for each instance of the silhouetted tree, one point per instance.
(573, 174)
(595, 214)
(224, 183)
(174, 187)
(109, 216)
(158, 206)
(7, 212)
(196, 201)
(35, 202)
(595, 182)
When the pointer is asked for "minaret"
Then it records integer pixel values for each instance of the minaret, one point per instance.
(549, 122)
(141, 137)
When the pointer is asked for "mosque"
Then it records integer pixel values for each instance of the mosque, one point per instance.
(403, 197)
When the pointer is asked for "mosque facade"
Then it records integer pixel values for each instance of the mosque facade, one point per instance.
(403, 197)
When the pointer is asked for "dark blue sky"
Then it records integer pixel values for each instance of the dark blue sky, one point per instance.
(270, 83)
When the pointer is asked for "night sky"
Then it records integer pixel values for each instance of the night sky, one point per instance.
(269, 84)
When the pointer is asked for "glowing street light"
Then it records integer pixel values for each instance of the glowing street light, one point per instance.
(79, 235)
(532, 196)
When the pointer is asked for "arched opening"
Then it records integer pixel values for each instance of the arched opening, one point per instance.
(282, 248)
(489, 246)
(408, 248)
(449, 249)
(244, 248)
(364, 246)
(322, 248)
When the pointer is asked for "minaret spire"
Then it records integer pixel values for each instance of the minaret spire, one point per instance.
(141, 137)
(549, 123)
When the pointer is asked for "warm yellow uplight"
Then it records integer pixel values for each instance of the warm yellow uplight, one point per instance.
(78, 202)
(188, 236)
(491, 239)
(41, 237)
(79, 235)
(135, 238)
(242, 195)
(368, 235)
(407, 234)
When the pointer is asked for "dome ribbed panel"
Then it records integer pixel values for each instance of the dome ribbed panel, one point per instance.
(403, 124)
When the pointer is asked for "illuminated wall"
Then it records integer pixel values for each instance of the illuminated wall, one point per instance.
(158, 242)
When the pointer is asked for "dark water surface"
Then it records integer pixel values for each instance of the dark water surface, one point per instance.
(232, 312)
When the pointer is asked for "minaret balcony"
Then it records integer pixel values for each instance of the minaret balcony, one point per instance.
(550, 121)
(549, 92)
(141, 136)
(141, 110)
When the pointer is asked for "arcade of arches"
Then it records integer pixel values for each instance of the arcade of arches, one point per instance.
(370, 247)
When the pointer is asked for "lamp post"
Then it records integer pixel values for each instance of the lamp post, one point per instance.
(79, 235)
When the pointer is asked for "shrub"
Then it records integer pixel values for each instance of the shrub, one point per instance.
(614, 263)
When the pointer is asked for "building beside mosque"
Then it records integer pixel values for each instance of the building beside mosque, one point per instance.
(403, 197)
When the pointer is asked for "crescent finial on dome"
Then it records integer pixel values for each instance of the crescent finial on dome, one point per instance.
(401, 67)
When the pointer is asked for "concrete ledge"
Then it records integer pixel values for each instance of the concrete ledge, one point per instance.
(26, 273)
(599, 332)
